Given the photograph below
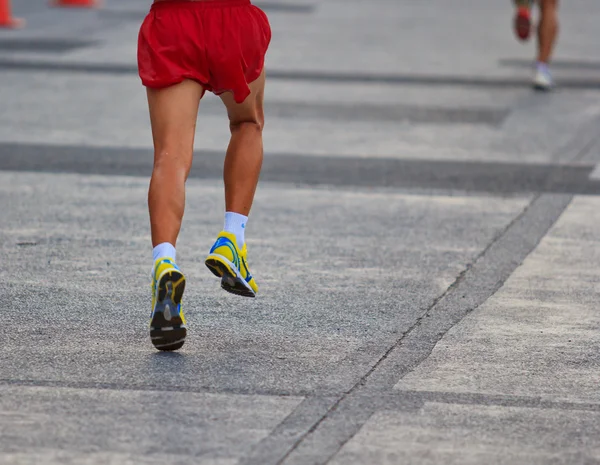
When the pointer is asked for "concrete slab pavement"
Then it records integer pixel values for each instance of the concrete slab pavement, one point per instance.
(516, 381)
(400, 238)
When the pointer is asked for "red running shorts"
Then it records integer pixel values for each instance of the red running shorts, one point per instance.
(219, 43)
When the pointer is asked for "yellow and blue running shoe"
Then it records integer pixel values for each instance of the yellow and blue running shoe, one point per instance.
(168, 327)
(228, 262)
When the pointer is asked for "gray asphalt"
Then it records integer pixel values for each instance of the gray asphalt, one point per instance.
(468, 177)
(425, 236)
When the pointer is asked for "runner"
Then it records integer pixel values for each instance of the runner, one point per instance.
(185, 48)
(547, 32)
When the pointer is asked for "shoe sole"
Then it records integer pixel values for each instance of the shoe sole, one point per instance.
(542, 88)
(168, 331)
(523, 24)
(231, 279)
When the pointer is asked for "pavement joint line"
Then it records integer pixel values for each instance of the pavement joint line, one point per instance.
(592, 65)
(368, 111)
(8, 64)
(138, 14)
(45, 45)
(290, 430)
(483, 177)
(402, 398)
(149, 388)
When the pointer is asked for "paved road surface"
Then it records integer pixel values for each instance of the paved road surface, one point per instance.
(426, 238)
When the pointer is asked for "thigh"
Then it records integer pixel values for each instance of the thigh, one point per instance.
(173, 114)
(250, 110)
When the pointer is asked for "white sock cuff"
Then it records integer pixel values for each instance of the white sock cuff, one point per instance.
(235, 223)
(164, 250)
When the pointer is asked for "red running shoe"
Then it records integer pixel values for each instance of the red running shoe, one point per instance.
(523, 21)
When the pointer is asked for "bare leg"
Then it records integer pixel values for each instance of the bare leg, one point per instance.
(241, 172)
(173, 114)
(245, 152)
(547, 29)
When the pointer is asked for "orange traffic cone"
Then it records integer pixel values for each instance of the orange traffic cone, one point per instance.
(6, 18)
(76, 3)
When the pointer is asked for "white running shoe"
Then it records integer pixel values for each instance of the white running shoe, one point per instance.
(542, 79)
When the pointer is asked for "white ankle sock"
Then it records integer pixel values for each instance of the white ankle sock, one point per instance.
(164, 250)
(236, 224)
